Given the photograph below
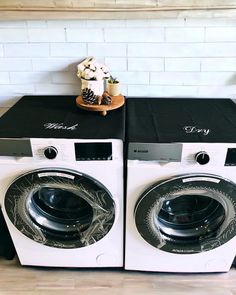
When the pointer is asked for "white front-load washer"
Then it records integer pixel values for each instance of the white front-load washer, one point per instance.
(61, 182)
(181, 185)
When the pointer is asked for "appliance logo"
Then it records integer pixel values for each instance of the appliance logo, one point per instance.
(60, 126)
(195, 129)
(141, 151)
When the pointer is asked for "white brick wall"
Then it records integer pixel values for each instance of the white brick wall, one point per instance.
(221, 34)
(184, 35)
(218, 64)
(185, 64)
(15, 64)
(13, 35)
(131, 35)
(26, 50)
(85, 35)
(143, 64)
(67, 49)
(157, 57)
(46, 35)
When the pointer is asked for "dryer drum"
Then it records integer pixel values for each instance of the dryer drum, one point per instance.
(60, 208)
(188, 214)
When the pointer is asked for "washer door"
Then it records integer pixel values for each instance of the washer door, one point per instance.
(60, 208)
(188, 214)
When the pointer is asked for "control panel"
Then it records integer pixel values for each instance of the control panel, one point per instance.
(186, 154)
(209, 154)
(52, 150)
(72, 150)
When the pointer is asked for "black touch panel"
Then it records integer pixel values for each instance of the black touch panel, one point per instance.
(231, 157)
(95, 151)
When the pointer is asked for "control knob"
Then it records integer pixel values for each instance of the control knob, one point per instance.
(202, 158)
(50, 152)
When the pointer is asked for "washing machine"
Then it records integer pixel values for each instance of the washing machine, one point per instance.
(181, 185)
(61, 182)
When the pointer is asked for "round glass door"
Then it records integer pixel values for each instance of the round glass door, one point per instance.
(60, 208)
(187, 214)
(190, 216)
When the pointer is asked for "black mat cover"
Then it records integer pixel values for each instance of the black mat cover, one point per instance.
(167, 120)
(59, 117)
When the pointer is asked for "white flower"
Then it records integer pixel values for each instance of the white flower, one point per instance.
(80, 67)
(91, 75)
(105, 69)
(87, 71)
(91, 65)
(90, 69)
(86, 77)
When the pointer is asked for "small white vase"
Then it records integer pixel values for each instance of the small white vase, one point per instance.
(113, 88)
(97, 86)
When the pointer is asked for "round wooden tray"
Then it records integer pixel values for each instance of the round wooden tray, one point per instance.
(117, 102)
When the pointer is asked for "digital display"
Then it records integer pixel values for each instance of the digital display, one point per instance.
(231, 157)
(93, 151)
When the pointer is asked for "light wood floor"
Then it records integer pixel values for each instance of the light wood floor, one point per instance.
(15, 279)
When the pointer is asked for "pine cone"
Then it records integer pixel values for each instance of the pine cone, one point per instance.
(88, 96)
(106, 98)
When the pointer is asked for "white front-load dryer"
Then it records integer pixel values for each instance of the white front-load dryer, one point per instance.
(61, 183)
(181, 185)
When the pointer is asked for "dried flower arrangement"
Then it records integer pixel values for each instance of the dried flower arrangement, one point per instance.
(90, 69)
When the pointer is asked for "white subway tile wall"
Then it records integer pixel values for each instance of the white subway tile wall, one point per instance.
(151, 57)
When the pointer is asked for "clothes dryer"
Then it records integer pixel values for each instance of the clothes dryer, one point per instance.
(181, 185)
(61, 182)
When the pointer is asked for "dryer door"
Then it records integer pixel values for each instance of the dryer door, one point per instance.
(60, 208)
(188, 214)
